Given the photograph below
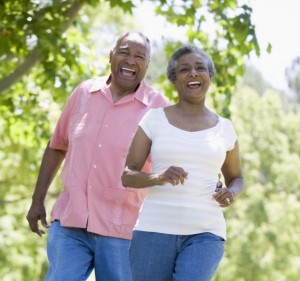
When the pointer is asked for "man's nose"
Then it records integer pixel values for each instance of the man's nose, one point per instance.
(130, 59)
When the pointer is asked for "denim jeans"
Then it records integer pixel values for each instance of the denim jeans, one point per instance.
(165, 257)
(73, 253)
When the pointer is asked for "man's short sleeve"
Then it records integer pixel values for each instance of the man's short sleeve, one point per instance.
(59, 139)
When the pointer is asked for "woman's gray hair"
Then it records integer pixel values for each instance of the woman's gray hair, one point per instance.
(187, 49)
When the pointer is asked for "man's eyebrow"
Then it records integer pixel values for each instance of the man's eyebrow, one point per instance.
(142, 53)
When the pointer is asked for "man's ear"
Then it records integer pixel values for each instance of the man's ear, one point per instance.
(110, 55)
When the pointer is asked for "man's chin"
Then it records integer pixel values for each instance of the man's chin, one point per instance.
(128, 83)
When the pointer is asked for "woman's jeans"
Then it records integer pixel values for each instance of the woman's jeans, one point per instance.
(166, 257)
(73, 253)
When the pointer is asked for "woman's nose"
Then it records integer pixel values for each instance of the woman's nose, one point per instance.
(194, 72)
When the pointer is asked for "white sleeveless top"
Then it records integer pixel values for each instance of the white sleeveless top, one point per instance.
(189, 208)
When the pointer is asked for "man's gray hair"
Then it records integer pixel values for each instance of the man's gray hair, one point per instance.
(127, 33)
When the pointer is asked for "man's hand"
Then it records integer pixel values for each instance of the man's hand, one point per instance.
(37, 212)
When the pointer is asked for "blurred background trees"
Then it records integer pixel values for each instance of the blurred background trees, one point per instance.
(293, 78)
(48, 47)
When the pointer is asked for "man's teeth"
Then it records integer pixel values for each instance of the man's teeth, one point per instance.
(127, 71)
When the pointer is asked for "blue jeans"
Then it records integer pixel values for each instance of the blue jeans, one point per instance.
(165, 257)
(73, 253)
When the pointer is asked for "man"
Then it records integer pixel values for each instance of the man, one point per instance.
(93, 218)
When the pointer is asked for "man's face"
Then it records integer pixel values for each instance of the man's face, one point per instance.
(129, 62)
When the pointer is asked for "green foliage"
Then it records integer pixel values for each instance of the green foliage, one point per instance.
(269, 48)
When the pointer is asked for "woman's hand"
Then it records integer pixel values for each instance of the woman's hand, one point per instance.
(173, 175)
(224, 196)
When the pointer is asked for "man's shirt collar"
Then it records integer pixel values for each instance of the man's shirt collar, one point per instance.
(141, 94)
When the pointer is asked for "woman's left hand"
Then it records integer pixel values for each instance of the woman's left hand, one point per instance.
(224, 196)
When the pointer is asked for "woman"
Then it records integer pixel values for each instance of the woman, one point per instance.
(180, 231)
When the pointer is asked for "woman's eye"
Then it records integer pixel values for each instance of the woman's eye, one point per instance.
(202, 67)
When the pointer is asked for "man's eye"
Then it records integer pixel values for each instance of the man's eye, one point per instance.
(140, 57)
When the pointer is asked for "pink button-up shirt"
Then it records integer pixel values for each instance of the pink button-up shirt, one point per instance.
(96, 133)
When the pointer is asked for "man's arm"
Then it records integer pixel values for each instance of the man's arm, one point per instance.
(51, 162)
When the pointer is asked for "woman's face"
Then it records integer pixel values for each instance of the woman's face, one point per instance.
(192, 77)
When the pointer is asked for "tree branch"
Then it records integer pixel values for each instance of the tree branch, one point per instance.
(35, 56)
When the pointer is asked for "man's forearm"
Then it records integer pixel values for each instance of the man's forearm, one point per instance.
(51, 162)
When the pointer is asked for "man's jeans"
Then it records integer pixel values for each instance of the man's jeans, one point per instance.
(165, 257)
(73, 253)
